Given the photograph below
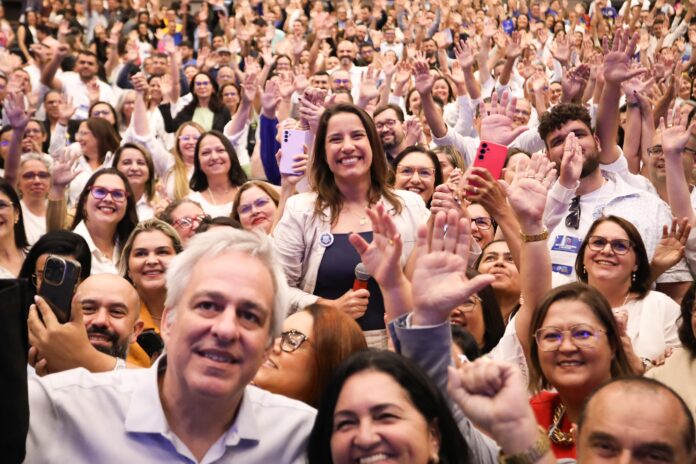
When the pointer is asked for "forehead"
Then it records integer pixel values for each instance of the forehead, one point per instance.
(621, 413)
(497, 247)
(610, 229)
(565, 313)
(368, 388)
(567, 128)
(151, 238)
(186, 209)
(252, 193)
(132, 153)
(302, 321)
(475, 210)
(249, 280)
(106, 291)
(34, 165)
(109, 181)
(344, 122)
(417, 159)
(386, 114)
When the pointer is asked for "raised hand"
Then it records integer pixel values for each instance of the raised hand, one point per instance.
(66, 109)
(464, 54)
(403, 72)
(494, 396)
(64, 168)
(482, 188)
(574, 81)
(250, 87)
(439, 282)
(413, 131)
(571, 163)
(670, 248)
(381, 257)
(424, 80)
(368, 84)
(270, 98)
(675, 137)
(617, 63)
(514, 48)
(561, 50)
(16, 112)
(528, 190)
(139, 82)
(299, 167)
(497, 123)
(286, 86)
(93, 91)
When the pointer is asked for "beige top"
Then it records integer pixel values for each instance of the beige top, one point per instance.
(679, 373)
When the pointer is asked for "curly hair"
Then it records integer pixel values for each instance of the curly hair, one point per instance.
(559, 115)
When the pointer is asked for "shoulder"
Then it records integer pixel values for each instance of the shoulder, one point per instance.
(274, 403)
(658, 298)
(280, 413)
(302, 202)
(82, 382)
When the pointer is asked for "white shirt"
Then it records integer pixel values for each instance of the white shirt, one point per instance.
(34, 226)
(101, 264)
(652, 324)
(111, 417)
(73, 84)
(144, 209)
(224, 209)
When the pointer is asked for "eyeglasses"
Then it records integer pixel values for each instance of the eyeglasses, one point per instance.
(390, 123)
(37, 277)
(573, 219)
(409, 171)
(483, 222)
(189, 138)
(31, 175)
(99, 193)
(582, 336)
(188, 222)
(341, 81)
(4, 143)
(291, 340)
(5, 204)
(230, 94)
(655, 150)
(258, 204)
(100, 114)
(32, 132)
(202, 83)
(469, 305)
(619, 246)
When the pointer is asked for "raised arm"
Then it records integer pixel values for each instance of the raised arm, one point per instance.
(49, 71)
(18, 117)
(674, 140)
(424, 85)
(527, 196)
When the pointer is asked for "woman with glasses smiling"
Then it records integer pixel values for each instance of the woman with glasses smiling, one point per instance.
(310, 348)
(33, 184)
(613, 260)
(256, 206)
(105, 217)
(418, 170)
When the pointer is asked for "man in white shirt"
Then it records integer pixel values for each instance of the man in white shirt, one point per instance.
(195, 403)
(79, 81)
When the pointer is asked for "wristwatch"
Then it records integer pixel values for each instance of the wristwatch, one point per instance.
(532, 454)
(535, 238)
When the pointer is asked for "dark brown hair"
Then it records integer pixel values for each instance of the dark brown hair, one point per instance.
(559, 115)
(107, 138)
(640, 284)
(150, 183)
(686, 330)
(620, 367)
(322, 178)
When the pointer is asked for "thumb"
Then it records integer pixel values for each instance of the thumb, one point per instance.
(76, 316)
(358, 243)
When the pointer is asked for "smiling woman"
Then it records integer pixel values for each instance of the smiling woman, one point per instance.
(348, 174)
(136, 164)
(144, 261)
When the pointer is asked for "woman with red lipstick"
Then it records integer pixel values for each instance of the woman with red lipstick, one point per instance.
(256, 206)
(348, 174)
(144, 261)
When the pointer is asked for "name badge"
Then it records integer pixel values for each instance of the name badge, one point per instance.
(566, 243)
(326, 239)
(561, 269)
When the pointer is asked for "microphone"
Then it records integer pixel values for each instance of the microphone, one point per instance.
(361, 277)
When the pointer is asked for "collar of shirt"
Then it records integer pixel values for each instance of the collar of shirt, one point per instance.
(143, 416)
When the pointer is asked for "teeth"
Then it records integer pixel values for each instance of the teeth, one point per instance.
(218, 357)
(349, 161)
(569, 363)
(373, 458)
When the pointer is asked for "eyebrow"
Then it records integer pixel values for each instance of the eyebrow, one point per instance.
(377, 408)
(100, 303)
(219, 297)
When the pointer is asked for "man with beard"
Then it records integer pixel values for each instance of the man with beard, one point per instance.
(346, 52)
(389, 121)
(108, 307)
(79, 81)
(584, 192)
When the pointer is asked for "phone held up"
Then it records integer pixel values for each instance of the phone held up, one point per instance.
(291, 145)
(491, 156)
(60, 278)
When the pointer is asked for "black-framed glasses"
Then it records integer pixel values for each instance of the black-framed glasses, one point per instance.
(619, 246)
(573, 219)
(581, 335)
(188, 222)
(99, 193)
(292, 340)
(483, 223)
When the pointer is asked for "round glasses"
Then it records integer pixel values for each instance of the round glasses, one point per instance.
(582, 336)
(189, 222)
(483, 222)
(117, 195)
(249, 207)
(409, 171)
(619, 246)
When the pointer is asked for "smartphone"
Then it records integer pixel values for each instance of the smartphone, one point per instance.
(291, 145)
(491, 156)
(447, 34)
(60, 278)
(508, 26)
(151, 342)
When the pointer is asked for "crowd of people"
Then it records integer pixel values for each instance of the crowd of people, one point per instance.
(381, 291)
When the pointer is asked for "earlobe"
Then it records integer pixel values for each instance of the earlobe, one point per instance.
(434, 442)
(137, 330)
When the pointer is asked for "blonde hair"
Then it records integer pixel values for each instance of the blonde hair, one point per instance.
(149, 225)
(181, 180)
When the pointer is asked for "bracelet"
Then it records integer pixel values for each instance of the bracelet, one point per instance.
(535, 238)
(120, 364)
(532, 454)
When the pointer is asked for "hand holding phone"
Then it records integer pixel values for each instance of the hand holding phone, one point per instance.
(60, 278)
(291, 144)
(491, 156)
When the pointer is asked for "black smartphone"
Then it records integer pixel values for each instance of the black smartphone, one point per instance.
(60, 278)
(151, 342)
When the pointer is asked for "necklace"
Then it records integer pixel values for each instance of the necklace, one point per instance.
(556, 435)
(362, 220)
(212, 197)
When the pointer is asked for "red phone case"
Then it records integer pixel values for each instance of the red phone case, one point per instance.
(491, 156)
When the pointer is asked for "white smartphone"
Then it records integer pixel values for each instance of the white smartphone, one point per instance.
(291, 145)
